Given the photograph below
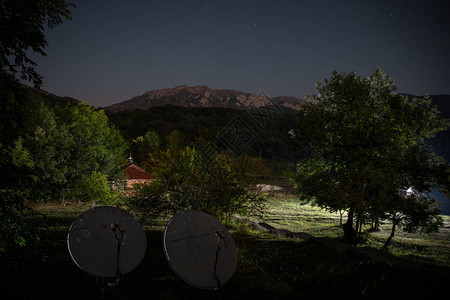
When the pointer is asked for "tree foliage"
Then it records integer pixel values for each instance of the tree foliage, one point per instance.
(206, 123)
(366, 146)
(220, 185)
(94, 188)
(22, 25)
(143, 145)
(45, 150)
(94, 144)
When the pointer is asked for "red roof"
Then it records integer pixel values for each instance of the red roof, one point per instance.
(133, 172)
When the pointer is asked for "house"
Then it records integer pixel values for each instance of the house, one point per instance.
(136, 175)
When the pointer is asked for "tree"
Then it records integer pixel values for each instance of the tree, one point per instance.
(46, 139)
(94, 144)
(29, 161)
(143, 145)
(220, 185)
(45, 150)
(22, 24)
(67, 144)
(366, 146)
(94, 188)
(14, 162)
(406, 200)
(21, 32)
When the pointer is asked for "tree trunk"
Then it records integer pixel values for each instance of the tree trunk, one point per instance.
(377, 224)
(349, 232)
(355, 240)
(351, 235)
(358, 227)
(361, 221)
(341, 212)
(388, 241)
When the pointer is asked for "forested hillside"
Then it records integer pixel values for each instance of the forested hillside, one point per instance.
(272, 142)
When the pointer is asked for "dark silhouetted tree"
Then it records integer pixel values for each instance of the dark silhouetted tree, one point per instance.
(367, 146)
(22, 24)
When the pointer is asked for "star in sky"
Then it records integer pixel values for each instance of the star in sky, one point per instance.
(284, 48)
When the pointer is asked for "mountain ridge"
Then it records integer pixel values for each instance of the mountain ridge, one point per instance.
(204, 96)
(50, 97)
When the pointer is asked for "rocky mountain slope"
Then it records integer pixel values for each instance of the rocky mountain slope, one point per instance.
(203, 96)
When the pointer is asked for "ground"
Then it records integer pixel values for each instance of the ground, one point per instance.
(269, 266)
(286, 212)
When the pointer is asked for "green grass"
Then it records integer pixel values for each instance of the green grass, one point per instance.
(269, 266)
(288, 213)
(431, 248)
(53, 216)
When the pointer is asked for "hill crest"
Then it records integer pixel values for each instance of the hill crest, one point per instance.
(203, 96)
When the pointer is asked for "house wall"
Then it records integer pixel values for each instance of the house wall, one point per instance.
(133, 182)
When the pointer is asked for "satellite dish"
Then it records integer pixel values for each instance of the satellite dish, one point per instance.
(106, 242)
(200, 249)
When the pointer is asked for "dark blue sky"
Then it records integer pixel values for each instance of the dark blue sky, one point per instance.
(114, 50)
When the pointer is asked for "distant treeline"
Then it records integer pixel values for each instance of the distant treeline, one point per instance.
(207, 123)
(271, 141)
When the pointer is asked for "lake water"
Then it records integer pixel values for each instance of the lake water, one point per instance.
(445, 202)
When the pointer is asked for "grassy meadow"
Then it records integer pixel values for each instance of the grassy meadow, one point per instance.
(270, 266)
(286, 212)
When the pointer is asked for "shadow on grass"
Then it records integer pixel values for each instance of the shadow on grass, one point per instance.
(268, 268)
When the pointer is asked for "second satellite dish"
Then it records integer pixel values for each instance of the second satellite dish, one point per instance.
(200, 249)
(106, 241)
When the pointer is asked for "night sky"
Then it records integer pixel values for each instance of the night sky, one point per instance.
(114, 50)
